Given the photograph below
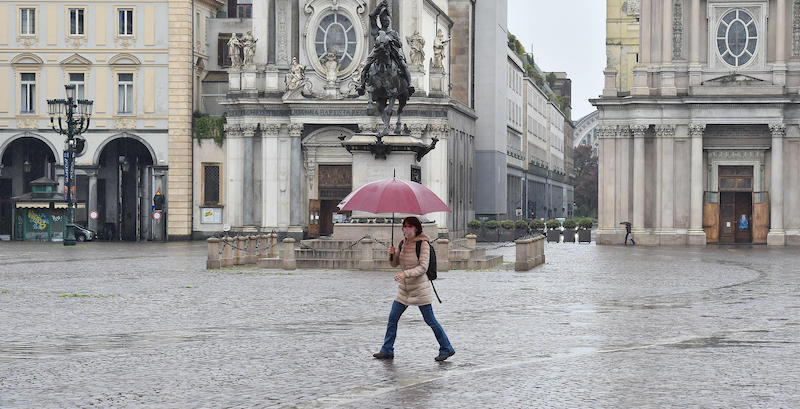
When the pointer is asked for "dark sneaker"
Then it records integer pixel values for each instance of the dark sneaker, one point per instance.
(442, 357)
(381, 355)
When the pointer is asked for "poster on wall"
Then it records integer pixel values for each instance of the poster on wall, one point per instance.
(69, 177)
(211, 215)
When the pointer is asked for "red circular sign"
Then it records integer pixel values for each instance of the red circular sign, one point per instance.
(156, 215)
(93, 215)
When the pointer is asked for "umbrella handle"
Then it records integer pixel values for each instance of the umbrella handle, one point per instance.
(391, 243)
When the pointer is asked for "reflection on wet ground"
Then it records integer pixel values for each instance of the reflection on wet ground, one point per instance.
(112, 325)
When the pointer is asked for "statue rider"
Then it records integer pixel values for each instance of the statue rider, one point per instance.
(383, 15)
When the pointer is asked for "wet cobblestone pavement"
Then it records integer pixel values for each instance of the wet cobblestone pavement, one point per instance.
(109, 325)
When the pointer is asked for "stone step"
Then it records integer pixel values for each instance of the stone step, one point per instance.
(309, 254)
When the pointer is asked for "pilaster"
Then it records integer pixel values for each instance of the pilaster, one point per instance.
(639, 132)
(697, 236)
(777, 234)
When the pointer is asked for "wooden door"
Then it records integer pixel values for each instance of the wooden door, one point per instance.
(711, 217)
(727, 217)
(313, 218)
(760, 217)
(744, 209)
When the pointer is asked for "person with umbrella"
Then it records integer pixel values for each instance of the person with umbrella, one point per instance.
(413, 287)
(628, 233)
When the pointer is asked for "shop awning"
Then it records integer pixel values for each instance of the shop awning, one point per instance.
(33, 205)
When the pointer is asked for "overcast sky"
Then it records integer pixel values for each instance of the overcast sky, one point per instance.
(565, 35)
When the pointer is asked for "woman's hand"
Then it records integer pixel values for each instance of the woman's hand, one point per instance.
(400, 277)
(391, 250)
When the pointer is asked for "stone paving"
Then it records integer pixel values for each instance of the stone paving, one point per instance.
(145, 325)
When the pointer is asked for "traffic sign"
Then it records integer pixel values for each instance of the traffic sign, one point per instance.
(157, 215)
(93, 215)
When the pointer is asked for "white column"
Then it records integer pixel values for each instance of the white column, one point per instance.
(667, 69)
(260, 23)
(777, 235)
(779, 69)
(638, 176)
(697, 235)
(667, 136)
(607, 184)
(234, 174)
(269, 168)
(695, 36)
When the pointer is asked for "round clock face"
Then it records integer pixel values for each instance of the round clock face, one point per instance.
(737, 38)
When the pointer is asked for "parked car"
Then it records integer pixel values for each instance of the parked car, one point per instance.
(84, 234)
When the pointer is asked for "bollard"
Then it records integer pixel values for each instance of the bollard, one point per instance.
(273, 245)
(238, 254)
(523, 255)
(538, 250)
(213, 261)
(288, 261)
(472, 241)
(263, 243)
(227, 252)
(366, 262)
(252, 245)
(442, 248)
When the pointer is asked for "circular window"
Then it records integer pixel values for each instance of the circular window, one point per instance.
(737, 38)
(336, 34)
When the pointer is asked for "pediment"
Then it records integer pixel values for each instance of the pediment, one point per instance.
(735, 79)
(124, 59)
(27, 58)
(75, 59)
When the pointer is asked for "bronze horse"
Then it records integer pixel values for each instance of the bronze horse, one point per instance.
(386, 83)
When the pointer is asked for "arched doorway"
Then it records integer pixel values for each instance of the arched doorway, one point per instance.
(124, 190)
(24, 160)
(329, 167)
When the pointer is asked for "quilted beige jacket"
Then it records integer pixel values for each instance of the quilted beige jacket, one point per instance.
(415, 289)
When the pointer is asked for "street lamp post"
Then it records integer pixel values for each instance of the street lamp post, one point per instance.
(65, 110)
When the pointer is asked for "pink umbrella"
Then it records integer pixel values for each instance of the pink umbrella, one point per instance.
(393, 196)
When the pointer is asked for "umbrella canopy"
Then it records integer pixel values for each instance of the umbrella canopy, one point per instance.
(393, 196)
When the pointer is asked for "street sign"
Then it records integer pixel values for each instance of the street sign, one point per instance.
(157, 215)
(93, 215)
(519, 212)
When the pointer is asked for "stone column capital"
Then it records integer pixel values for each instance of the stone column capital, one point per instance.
(623, 131)
(417, 129)
(665, 131)
(295, 130)
(270, 129)
(639, 130)
(696, 130)
(607, 131)
(778, 130)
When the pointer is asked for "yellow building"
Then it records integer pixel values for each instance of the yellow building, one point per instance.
(622, 45)
(136, 61)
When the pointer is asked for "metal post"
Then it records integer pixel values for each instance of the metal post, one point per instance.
(69, 236)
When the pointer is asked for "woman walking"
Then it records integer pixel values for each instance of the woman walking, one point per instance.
(413, 289)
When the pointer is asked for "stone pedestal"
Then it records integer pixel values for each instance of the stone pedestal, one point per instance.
(418, 80)
(610, 87)
(272, 81)
(697, 238)
(640, 83)
(249, 81)
(439, 85)
(331, 91)
(234, 80)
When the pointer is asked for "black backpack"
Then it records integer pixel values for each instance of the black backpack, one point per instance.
(431, 272)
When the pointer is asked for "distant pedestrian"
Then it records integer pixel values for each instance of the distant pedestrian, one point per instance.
(628, 233)
(413, 289)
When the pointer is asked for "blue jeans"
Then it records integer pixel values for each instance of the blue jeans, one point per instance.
(427, 314)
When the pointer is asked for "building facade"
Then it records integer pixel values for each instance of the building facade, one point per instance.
(705, 147)
(118, 54)
(281, 165)
(622, 44)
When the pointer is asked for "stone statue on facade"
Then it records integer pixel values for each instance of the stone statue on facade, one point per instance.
(386, 77)
(249, 46)
(235, 51)
(439, 43)
(355, 81)
(332, 67)
(296, 75)
(417, 44)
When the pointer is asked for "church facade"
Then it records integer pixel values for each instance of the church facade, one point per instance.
(705, 148)
(292, 97)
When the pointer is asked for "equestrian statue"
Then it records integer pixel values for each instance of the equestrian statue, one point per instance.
(385, 77)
